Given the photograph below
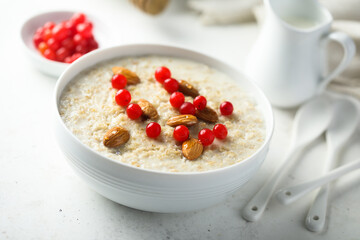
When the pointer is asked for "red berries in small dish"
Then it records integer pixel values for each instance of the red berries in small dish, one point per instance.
(187, 108)
(133, 111)
(161, 74)
(177, 99)
(65, 41)
(153, 130)
(200, 102)
(123, 97)
(226, 108)
(181, 133)
(171, 85)
(118, 81)
(206, 136)
(220, 131)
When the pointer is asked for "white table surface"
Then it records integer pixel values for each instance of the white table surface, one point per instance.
(42, 198)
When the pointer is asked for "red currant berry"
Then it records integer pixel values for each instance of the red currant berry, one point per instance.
(49, 54)
(123, 97)
(37, 39)
(59, 32)
(70, 28)
(75, 56)
(181, 133)
(226, 108)
(93, 44)
(118, 81)
(72, 58)
(68, 60)
(200, 102)
(171, 85)
(42, 47)
(177, 99)
(47, 34)
(81, 49)
(53, 44)
(62, 53)
(187, 108)
(79, 40)
(133, 111)
(161, 74)
(68, 43)
(78, 18)
(84, 29)
(49, 25)
(153, 130)
(206, 136)
(40, 31)
(220, 131)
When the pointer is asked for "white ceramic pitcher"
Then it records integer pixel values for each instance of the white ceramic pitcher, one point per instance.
(288, 60)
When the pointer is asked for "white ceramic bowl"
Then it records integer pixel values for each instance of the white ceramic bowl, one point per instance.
(53, 68)
(153, 190)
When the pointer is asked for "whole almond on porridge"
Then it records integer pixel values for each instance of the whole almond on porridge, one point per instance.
(94, 113)
(148, 109)
(131, 77)
(116, 137)
(192, 148)
(207, 114)
(186, 119)
(188, 89)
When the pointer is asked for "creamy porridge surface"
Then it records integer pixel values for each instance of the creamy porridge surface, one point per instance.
(89, 110)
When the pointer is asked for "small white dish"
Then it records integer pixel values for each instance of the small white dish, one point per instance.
(53, 68)
(152, 190)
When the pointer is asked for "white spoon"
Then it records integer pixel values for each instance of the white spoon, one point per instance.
(342, 127)
(296, 192)
(311, 120)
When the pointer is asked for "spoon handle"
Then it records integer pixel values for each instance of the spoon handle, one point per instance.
(256, 206)
(316, 217)
(291, 194)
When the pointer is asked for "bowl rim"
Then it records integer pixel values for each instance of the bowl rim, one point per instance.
(166, 46)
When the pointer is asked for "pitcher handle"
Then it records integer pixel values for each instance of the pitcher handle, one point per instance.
(349, 51)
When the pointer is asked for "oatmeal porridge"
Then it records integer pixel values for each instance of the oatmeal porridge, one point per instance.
(88, 108)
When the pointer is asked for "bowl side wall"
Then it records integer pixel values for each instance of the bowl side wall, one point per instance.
(172, 191)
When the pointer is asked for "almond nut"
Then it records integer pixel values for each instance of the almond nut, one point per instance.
(131, 77)
(192, 148)
(207, 115)
(187, 120)
(148, 109)
(115, 137)
(188, 89)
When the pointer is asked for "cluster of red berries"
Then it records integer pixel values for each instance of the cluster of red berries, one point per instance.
(177, 100)
(65, 41)
(133, 110)
(205, 136)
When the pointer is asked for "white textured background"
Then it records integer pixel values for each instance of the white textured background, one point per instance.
(40, 196)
